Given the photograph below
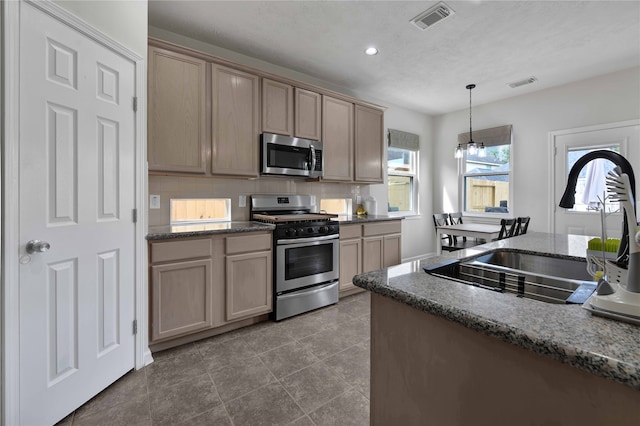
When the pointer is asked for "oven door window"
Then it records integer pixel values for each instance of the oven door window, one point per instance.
(288, 157)
(308, 261)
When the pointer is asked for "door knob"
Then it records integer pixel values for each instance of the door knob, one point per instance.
(37, 246)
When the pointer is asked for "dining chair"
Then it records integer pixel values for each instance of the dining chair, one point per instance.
(442, 219)
(522, 225)
(456, 219)
(507, 228)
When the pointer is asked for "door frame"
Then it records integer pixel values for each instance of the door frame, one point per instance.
(9, 179)
(552, 158)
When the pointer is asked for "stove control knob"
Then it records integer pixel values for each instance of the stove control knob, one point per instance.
(310, 231)
(300, 231)
(324, 229)
(289, 232)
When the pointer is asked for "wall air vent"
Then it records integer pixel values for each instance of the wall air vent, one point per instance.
(432, 16)
(519, 83)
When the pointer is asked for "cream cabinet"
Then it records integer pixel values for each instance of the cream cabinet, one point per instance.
(177, 139)
(234, 124)
(369, 145)
(308, 114)
(203, 284)
(277, 107)
(368, 247)
(382, 242)
(249, 276)
(350, 255)
(181, 287)
(337, 132)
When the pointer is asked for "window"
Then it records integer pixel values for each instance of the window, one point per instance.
(486, 180)
(402, 170)
(200, 210)
(591, 188)
(336, 205)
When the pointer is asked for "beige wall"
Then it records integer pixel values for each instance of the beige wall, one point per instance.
(122, 20)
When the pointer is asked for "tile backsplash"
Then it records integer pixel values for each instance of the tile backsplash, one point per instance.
(200, 187)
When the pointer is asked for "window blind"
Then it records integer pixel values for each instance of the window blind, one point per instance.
(404, 140)
(494, 136)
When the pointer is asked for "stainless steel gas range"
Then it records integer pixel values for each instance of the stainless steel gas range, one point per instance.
(306, 253)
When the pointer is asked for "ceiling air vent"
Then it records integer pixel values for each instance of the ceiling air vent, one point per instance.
(522, 82)
(432, 16)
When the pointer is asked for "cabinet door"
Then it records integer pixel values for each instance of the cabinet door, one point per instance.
(177, 114)
(235, 148)
(277, 107)
(369, 147)
(392, 250)
(337, 132)
(350, 262)
(372, 253)
(308, 107)
(181, 298)
(248, 285)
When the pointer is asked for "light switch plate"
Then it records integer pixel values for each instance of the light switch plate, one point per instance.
(242, 201)
(154, 201)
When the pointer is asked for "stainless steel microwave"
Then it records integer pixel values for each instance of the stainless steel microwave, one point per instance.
(289, 156)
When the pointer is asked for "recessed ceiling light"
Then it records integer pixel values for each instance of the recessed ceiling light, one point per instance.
(371, 51)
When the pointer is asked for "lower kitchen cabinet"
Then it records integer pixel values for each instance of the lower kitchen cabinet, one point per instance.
(181, 298)
(200, 284)
(249, 279)
(368, 247)
(350, 261)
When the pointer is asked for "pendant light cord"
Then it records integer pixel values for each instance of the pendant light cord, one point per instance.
(470, 87)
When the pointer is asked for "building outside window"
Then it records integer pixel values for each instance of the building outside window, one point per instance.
(402, 170)
(485, 181)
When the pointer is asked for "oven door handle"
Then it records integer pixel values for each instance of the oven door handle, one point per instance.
(307, 240)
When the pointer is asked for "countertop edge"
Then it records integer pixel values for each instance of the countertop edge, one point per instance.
(239, 227)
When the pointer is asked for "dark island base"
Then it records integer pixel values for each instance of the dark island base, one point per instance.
(428, 370)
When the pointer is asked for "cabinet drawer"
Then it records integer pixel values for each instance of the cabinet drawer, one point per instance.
(178, 250)
(382, 228)
(248, 243)
(350, 231)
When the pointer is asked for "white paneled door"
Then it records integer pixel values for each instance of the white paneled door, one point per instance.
(77, 141)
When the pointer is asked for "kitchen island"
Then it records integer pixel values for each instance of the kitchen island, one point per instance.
(444, 352)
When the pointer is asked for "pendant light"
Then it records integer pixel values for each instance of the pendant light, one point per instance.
(471, 146)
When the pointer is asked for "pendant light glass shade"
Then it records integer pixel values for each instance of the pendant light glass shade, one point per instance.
(472, 147)
(458, 153)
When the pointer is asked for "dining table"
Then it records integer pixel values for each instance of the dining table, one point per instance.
(482, 231)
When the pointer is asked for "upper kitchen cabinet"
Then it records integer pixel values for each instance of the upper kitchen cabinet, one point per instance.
(277, 107)
(369, 145)
(235, 122)
(308, 114)
(337, 132)
(177, 112)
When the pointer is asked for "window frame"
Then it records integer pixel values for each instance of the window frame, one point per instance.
(462, 175)
(414, 174)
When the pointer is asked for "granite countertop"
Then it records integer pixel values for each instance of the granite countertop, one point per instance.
(348, 219)
(568, 333)
(164, 232)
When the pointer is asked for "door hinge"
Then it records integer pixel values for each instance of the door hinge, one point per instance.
(135, 215)
(135, 103)
(135, 326)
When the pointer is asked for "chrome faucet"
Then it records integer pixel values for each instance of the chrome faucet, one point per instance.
(568, 198)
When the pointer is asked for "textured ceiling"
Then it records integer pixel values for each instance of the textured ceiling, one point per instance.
(489, 43)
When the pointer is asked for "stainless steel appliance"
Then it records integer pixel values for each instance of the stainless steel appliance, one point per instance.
(306, 253)
(288, 156)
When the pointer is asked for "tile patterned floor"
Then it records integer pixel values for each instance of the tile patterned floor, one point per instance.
(312, 369)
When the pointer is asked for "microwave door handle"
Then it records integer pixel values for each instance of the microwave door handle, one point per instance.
(313, 158)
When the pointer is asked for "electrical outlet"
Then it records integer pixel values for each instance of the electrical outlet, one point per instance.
(154, 201)
(242, 201)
